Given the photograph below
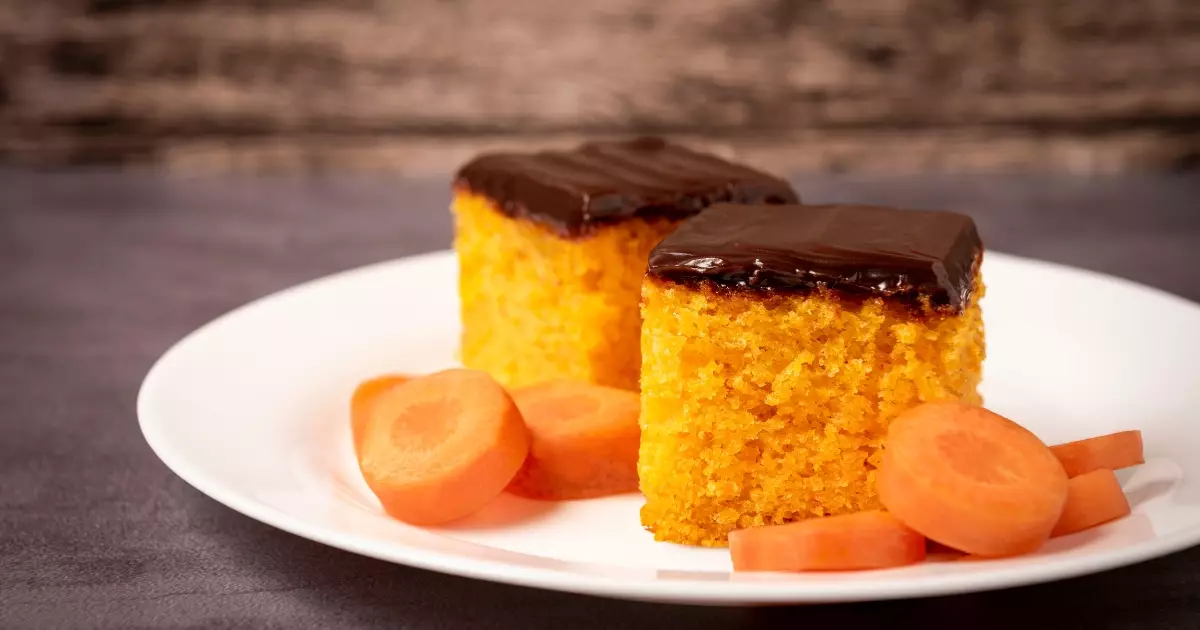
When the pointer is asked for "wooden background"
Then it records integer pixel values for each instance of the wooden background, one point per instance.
(899, 85)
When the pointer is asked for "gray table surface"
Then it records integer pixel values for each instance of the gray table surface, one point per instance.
(101, 272)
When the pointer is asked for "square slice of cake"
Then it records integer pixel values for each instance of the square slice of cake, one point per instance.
(552, 247)
(777, 344)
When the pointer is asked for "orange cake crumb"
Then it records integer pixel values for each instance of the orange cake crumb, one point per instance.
(538, 307)
(763, 412)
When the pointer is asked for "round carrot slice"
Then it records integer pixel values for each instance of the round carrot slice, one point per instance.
(1113, 452)
(584, 441)
(971, 479)
(360, 403)
(441, 447)
(863, 540)
(1093, 498)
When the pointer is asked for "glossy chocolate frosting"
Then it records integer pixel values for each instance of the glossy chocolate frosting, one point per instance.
(603, 182)
(869, 251)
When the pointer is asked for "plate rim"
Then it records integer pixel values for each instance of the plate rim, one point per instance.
(727, 591)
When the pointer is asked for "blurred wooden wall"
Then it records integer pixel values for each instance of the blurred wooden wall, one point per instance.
(902, 85)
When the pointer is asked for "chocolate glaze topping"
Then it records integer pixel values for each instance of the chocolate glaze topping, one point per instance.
(866, 251)
(604, 182)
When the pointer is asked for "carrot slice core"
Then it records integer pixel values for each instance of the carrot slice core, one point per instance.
(441, 447)
(970, 479)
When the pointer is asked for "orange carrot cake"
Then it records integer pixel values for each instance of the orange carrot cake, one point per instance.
(779, 341)
(552, 248)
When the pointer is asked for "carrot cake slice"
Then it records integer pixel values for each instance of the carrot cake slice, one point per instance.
(552, 248)
(779, 341)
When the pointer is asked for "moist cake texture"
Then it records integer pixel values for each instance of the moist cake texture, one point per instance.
(552, 248)
(778, 343)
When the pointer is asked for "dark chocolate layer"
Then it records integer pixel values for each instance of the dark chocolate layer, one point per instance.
(603, 182)
(859, 250)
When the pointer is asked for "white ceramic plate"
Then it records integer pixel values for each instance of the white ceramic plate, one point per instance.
(252, 410)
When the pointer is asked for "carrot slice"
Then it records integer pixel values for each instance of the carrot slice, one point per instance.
(970, 479)
(863, 540)
(584, 441)
(360, 403)
(1113, 452)
(1092, 499)
(441, 447)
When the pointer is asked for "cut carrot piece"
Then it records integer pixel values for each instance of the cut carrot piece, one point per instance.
(864, 540)
(584, 441)
(1092, 499)
(1113, 452)
(441, 447)
(970, 479)
(360, 403)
